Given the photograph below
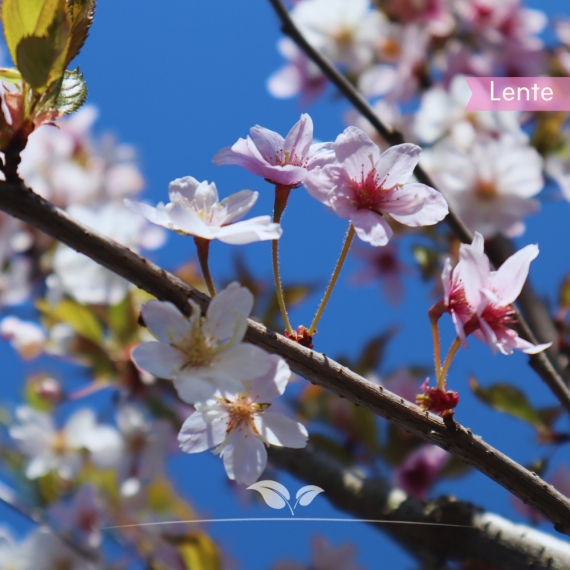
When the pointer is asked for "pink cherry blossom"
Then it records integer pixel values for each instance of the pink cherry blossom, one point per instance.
(196, 210)
(280, 161)
(200, 354)
(483, 298)
(241, 425)
(420, 470)
(300, 76)
(364, 185)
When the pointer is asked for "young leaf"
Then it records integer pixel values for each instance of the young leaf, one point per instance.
(305, 495)
(273, 493)
(80, 318)
(507, 398)
(10, 75)
(73, 93)
(81, 16)
(25, 19)
(199, 552)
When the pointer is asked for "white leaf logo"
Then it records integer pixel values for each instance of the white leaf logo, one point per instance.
(273, 493)
(305, 495)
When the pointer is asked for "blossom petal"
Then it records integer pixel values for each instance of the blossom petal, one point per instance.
(156, 215)
(370, 227)
(277, 429)
(272, 384)
(396, 165)
(220, 319)
(433, 209)
(197, 435)
(249, 231)
(245, 457)
(166, 323)
(299, 140)
(193, 386)
(185, 187)
(238, 205)
(161, 360)
(321, 182)
(356, 152)
(189, 222)
(242, 362)
(268, 143)
(508, 281)
(473, 270)
(205, 196)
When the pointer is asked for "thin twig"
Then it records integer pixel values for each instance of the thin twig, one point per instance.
(20, 202)
(550, 371)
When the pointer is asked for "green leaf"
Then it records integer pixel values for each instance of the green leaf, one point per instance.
(10, 75)
(80, 318)
(73, 93)
(509, 399)
(41, 57)
(199, 552)
(35, 57)
(122, 320)
(81, 14)
(24, 18)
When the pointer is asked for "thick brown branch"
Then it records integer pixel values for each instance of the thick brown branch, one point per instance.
(23, 204)
(491, 540)
(546, 365)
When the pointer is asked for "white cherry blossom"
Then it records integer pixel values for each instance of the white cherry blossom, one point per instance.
(27, 337)
(442, 112)
(196, 210)
(240, 425)
(84, 279)
(49, 449)
(346, 32)
(491, 185)
(202, 353)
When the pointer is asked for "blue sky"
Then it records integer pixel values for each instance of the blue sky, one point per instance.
(182, 79)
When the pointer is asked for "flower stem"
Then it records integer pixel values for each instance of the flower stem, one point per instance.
(448, 360)
(203, 249)
(345, 247)
(281, 198)
(436, 345)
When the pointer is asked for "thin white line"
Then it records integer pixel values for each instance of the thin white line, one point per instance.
(262, 519)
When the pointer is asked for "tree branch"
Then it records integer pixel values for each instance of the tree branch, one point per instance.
(487, 539)
(545, 364)
(20, 202)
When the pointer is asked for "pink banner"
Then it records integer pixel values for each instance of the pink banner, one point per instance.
(519, 94)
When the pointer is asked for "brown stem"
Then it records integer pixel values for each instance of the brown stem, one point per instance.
(551, 372)
(22, 203)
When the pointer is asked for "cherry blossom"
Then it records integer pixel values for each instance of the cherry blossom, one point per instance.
(364, 185)
(491, 185)
(240, 425)
(280, 161)
(201, 353)
(47, 551)
(81, 517)
(196, 210)
(27, 337)
(86, 280)
(50, 449)
(346, 32)
(146, 444)
(67, 166)
(483, 298)
(442, 111)
(420, 470)
(298, 77)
